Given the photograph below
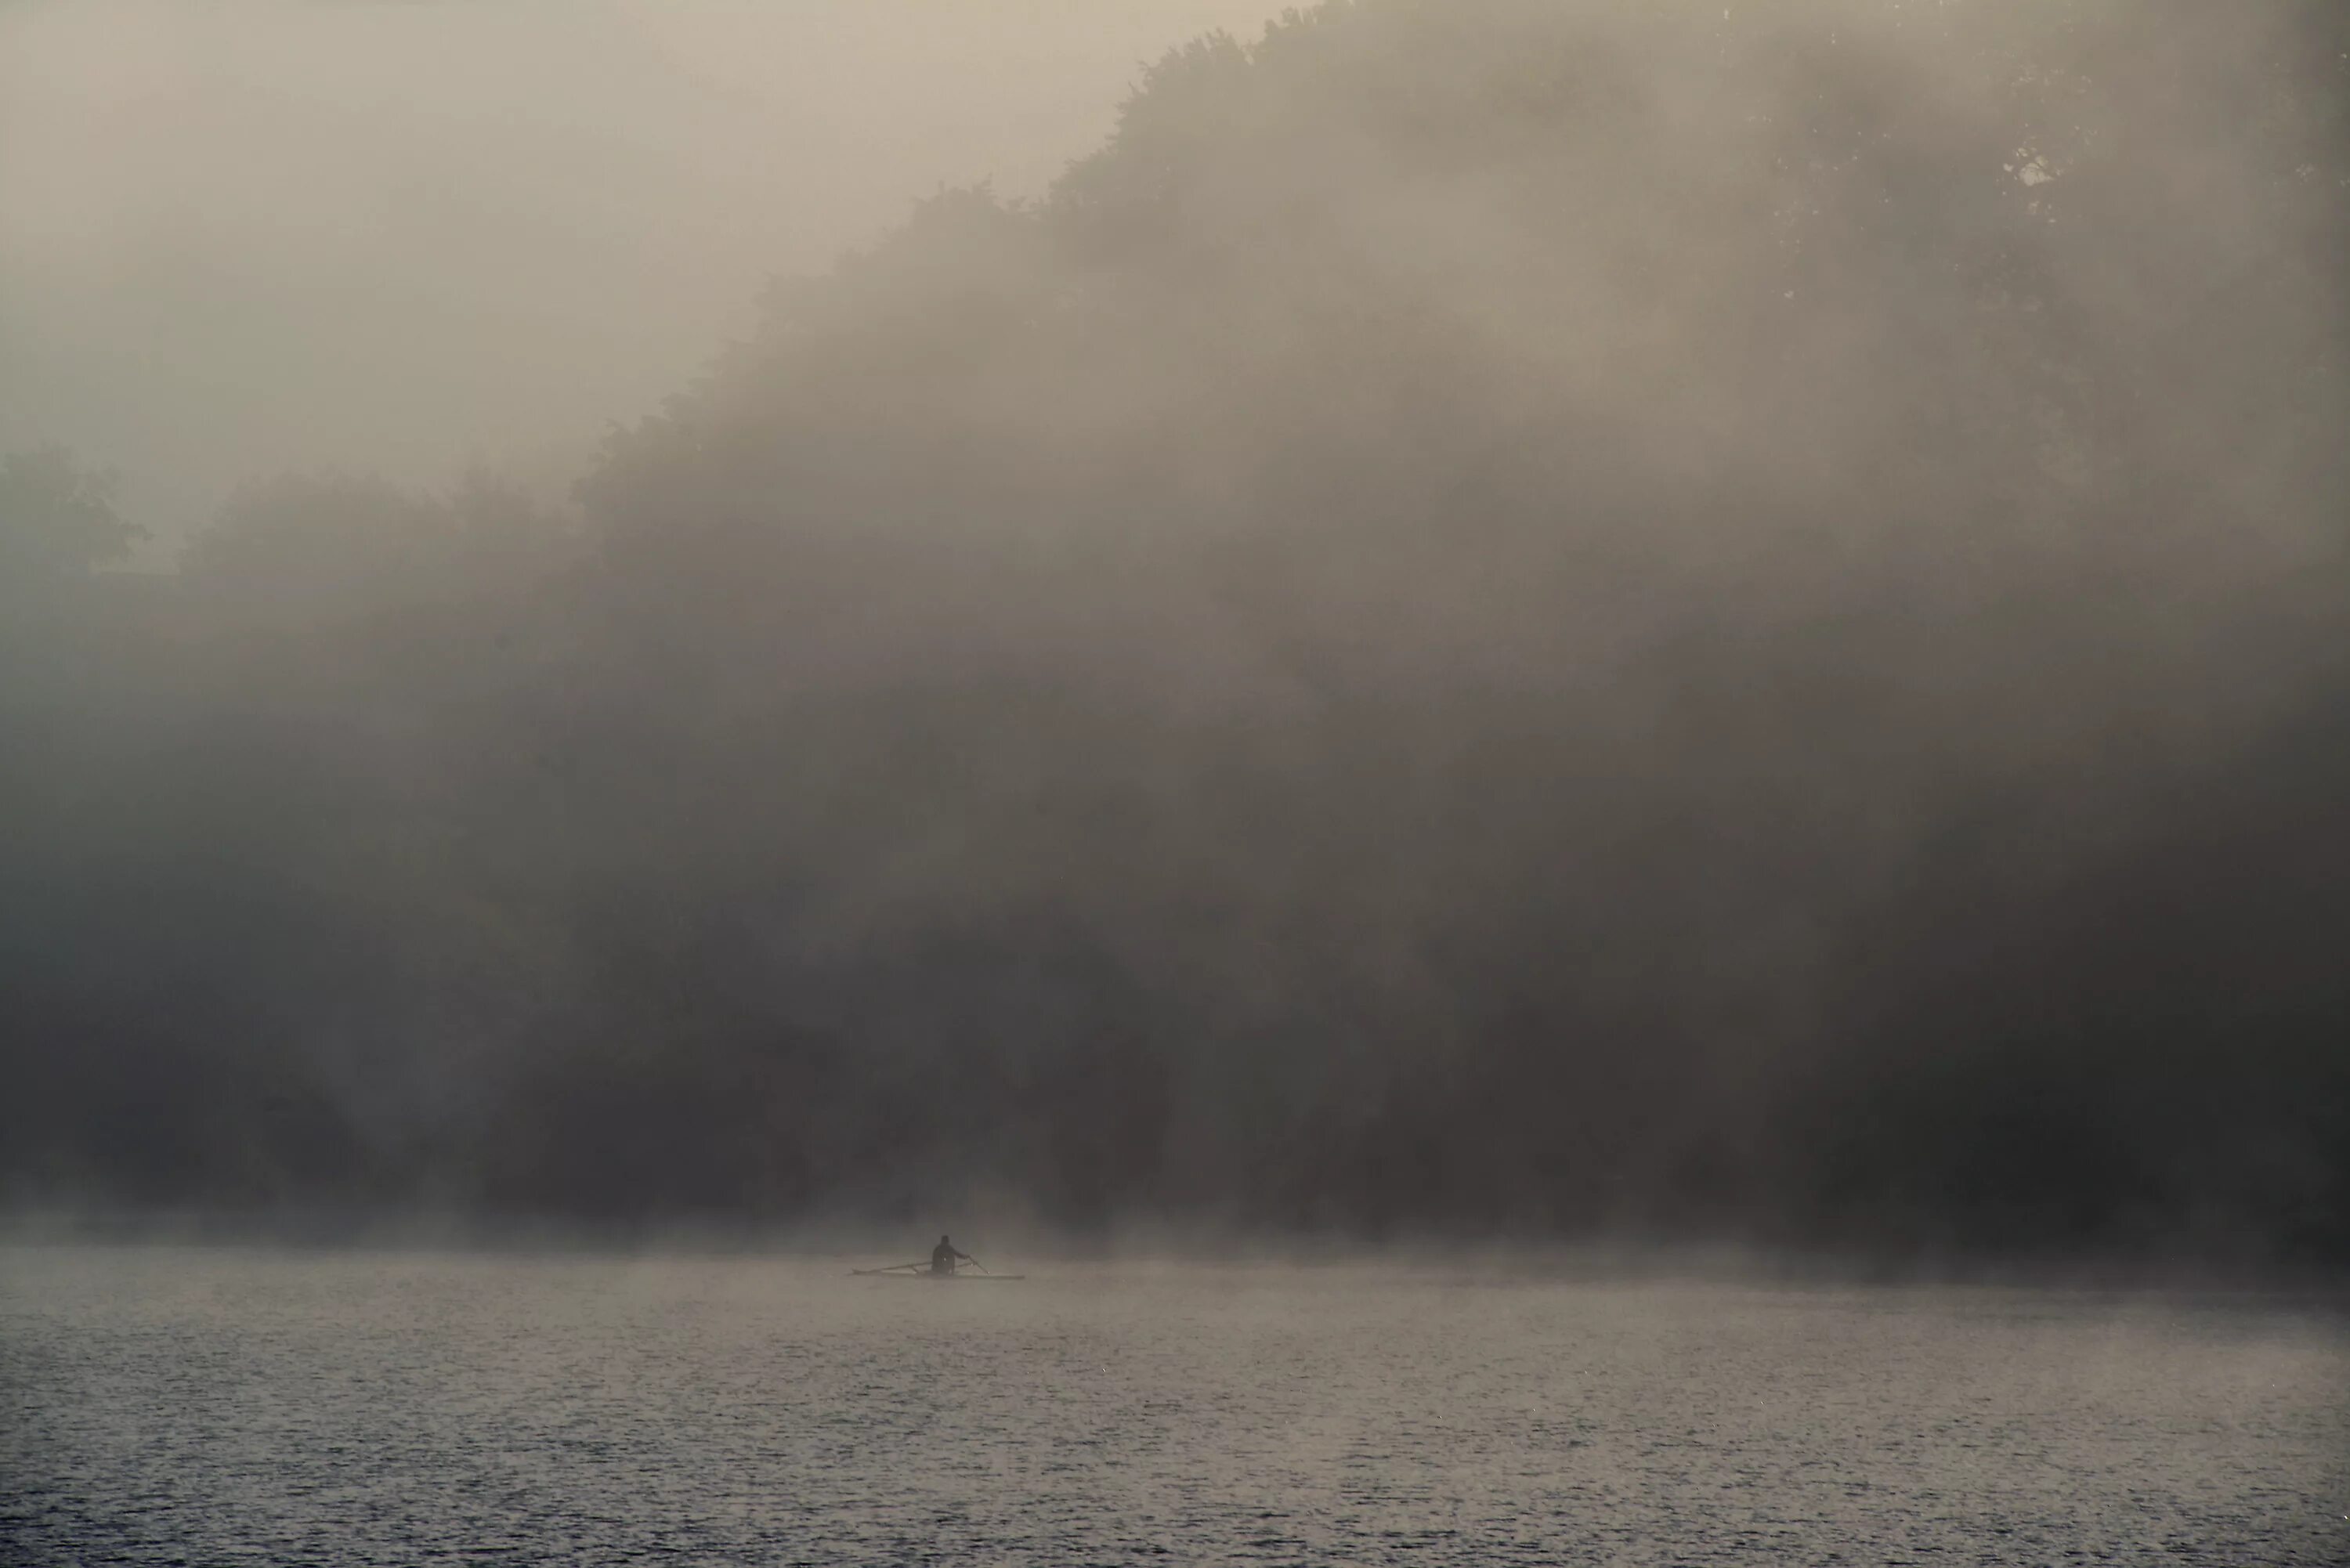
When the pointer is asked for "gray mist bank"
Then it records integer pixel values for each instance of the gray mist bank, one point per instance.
(378, 235)
(1494, 620)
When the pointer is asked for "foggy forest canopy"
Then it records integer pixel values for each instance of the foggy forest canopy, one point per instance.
(1499, 619)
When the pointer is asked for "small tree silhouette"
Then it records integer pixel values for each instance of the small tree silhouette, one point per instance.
(57, 517)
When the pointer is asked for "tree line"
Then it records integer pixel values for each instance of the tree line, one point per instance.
(1495, 618)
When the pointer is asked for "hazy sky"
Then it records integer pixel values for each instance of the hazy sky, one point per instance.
(240, 237)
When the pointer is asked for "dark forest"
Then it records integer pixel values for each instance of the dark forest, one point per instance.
(1497, 620)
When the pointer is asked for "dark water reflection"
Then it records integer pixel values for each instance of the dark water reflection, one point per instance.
(214, 1406)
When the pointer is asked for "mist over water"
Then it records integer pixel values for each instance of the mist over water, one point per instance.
(172, 1405)
(1492, 620)
(1585, 766)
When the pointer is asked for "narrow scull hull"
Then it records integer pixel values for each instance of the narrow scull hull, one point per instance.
(926, 1275)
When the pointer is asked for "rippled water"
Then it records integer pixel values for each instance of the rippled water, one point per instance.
(213, 1407)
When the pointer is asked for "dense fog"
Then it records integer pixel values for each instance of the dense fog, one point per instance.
(392, 236)
(1496, 618)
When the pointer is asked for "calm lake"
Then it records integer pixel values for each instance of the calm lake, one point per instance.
(211, 1406)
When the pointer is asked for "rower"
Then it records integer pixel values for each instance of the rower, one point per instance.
(943, 1256)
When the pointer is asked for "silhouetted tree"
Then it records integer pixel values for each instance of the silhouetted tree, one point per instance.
(57, 517)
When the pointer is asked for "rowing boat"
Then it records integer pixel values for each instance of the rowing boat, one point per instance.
(924, 1271)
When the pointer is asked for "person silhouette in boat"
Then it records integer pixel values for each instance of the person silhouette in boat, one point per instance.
(943, 1256)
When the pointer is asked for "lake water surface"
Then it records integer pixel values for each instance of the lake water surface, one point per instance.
(207, 1406)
